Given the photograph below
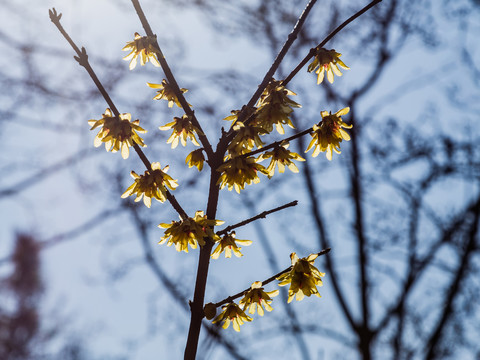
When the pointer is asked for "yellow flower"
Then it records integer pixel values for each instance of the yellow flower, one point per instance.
(256, 298)
(151, 185)
(303, 277)
(195, 158)
(282, 157)
(326, 60)
(166, 92)
(207, 224)
(239, 171)
(228, 244)
(182, 129)
(191, 231)
(328, 134)
(246, 138)
(275, 107)
(117, 133)
(141, 46)
(235, 113)
(232, 313)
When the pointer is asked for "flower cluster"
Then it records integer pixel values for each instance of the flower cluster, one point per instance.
(151, 185)
(328, 134)
(256, 298)
(182, 129)
(228, 243)
(239, 171)
(246, 138)
(232, 313)
(326, 60)
(165, 91)
(195, 158)
(117, 133)
(303, 278)
(143, 47)
(190, 231)
(275, 107)
(281, 157)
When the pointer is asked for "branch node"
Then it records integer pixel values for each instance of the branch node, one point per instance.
(82, 59)
(54, 16)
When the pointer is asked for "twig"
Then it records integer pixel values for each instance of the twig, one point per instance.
(259, 216)
(272, 145)
(265, 282)
(269, 75)
(327, 39)
(82, 59)
(172, 81)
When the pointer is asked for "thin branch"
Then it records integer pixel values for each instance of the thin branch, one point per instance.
(88, 225)
(172, 81)
(455, 285)
(82, 59)
(313, 51)
(262, 215)
(357, 192)
(264, 282)
(42, 174)
(272, 145)
(269, 75)
(324, 242)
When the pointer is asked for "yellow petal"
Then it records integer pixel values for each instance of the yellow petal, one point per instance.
(330, 74)
(97, 141)
(155, 86)
(125, 151)
(343, 111)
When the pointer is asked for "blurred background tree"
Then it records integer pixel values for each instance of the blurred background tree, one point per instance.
(399, 207)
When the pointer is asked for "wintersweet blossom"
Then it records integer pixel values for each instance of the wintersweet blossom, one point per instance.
(232, 313)
(246, 138)
(239, 171)
(195, 158)
(235, 113)
(256, 298)
(151, 185)
(280, 157)
(229, 243)
(275, 107)
(328, 134)
(143, 47)
(190, 231)
(182, 129)
(329, 61)
(303, 277)
(165, 91)
(117, 133)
